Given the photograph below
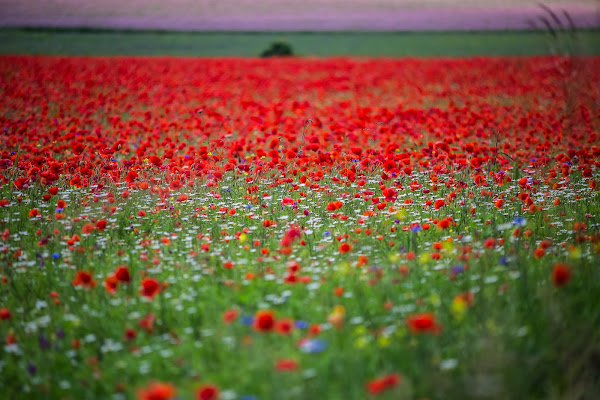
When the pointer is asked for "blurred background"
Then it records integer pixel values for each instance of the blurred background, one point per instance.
(310, 27)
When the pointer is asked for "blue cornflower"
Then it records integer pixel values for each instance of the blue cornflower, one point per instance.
(247, 319)
(313, 346)
(301, 324)
(519, 221)
(55, 256)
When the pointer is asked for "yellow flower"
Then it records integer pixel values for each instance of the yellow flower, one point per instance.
(401, 214)
(383, 341)
(339, 309)
(361, 342)
(360, 330)
(343, 267)
(459, 308)
(447, 246)
(393, 257)
(435, 300)
(575, 253)
(336, 318)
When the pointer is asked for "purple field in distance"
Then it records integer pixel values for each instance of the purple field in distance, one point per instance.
(265, 15)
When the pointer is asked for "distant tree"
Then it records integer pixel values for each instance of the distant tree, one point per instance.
(278, 49)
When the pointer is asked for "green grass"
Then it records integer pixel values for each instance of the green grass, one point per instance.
(218, 44)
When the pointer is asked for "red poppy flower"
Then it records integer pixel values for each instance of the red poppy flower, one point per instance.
(101, 224)
(286, 364)
(376, 386)
(155, 160)
(284, 326)
(443, 224)
(230, 316)
(111, 283)
(21, 183)
(345, 248)
(539, 253)
(175, 185)
(5, 313)
(122, 274)
(130, 334)
(150, 287)
(157, 391)
(379, 385)
(561, 274)
(207, 392)
(423, 323)
(84, 279)
(264, 320)
(147, 323)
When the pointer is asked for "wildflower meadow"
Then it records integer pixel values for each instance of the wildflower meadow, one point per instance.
(299, 228)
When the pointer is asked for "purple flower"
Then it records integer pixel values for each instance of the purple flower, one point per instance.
(44, 342)
(31, 369)
(457, 269)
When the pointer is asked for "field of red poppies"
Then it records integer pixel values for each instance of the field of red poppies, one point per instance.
(337, 228)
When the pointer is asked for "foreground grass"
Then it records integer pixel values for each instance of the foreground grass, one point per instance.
(522, 337)
(248, 44)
